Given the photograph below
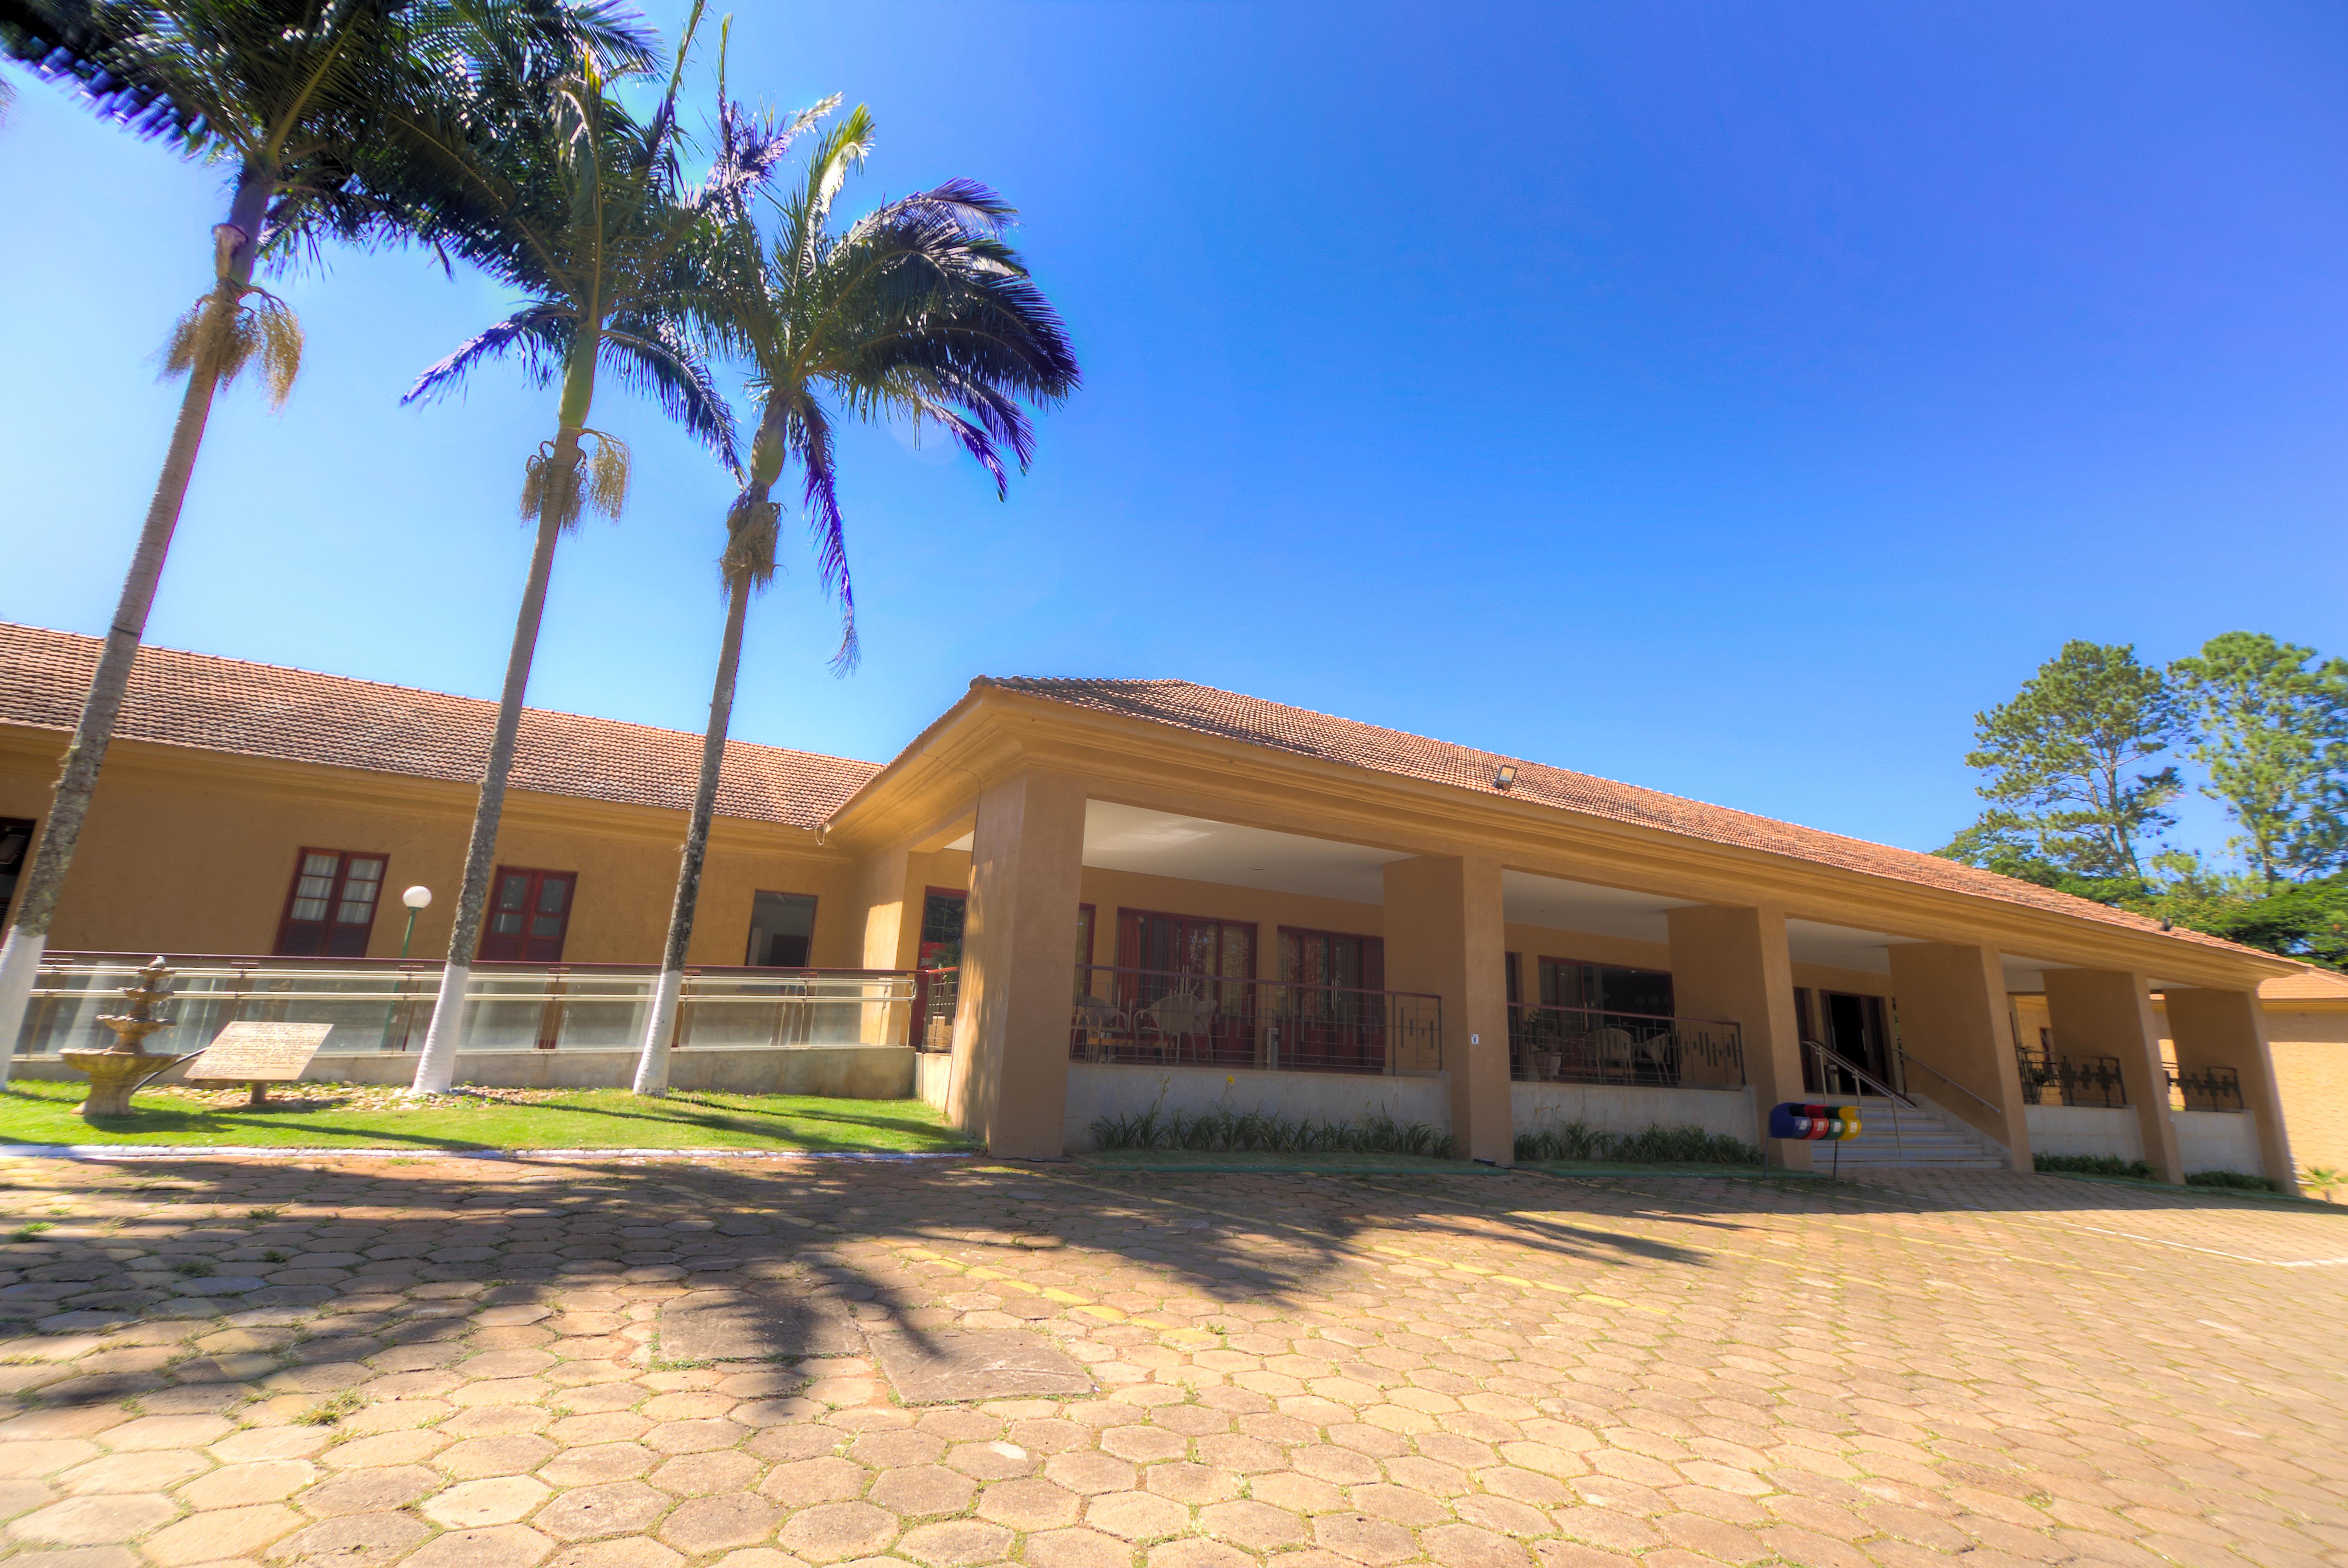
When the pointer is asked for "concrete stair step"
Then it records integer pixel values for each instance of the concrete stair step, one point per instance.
(1895, 1135)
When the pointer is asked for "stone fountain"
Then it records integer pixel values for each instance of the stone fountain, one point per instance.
(123, 1066)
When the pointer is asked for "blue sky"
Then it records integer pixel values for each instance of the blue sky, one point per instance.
(1731, 398)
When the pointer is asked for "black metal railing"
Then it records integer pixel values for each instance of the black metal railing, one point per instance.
(1155, 1016)
(2048, 1079)
(1577, 1045)
(937, 993)
(2209, 1089)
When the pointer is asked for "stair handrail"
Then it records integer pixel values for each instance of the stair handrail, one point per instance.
(1829, 1061)
(1905, 1058)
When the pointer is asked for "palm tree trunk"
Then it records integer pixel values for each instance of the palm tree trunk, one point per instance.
(436, 1067)
(652, 1062)
(36, 901)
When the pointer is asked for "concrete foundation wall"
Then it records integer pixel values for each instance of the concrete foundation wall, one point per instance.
(2218, 1140)
(932, 1076)
(1605, 1108)
(848, 1072)
(1098, 1090)
(2085, 1129)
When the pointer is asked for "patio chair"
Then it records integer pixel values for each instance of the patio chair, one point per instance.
(1655, 1051)
(1616, 1052)
(1098, 1016)
(1181, 1016)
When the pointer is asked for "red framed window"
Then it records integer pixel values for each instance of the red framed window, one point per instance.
(15, 844)
(943, 909)
(1332, 958)
(530, 914)
(330, 908)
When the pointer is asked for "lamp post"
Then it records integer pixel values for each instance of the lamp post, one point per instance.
(415, 898)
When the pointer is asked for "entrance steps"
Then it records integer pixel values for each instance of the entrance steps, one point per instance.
(1921, 1138)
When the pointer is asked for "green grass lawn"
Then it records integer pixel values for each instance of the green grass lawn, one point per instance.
(326, 1116)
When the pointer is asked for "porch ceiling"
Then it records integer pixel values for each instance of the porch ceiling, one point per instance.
(1159, 843)
(1563, 905)
(1842, 947)
(1198, 848)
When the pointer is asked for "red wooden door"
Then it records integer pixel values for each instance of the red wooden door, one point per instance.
(1331, 1001)
(1199, 955)
(530, 914)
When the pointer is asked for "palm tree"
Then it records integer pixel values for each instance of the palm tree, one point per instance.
(290, 93)
(582, 208)
(919, 310)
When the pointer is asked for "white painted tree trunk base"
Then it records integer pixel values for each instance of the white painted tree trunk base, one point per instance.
(20, 963)
(652, 1062)
(436, 1067)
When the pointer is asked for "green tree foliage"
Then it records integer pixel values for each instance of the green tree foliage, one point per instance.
(2071, 791)
(2306, 919)
(2076, 804)
(2271, 726)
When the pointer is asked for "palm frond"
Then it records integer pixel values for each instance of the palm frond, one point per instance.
(91, 51)
(539, 337)
(648, 359)
(809, 436)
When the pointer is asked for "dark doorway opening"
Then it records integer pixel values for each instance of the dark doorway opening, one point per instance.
(1855, 1032)
(782, 928)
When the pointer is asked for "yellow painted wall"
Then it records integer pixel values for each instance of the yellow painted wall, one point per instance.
(2310, 1058)
(190, 851)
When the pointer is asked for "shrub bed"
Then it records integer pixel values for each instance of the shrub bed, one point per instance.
(1657, 1145)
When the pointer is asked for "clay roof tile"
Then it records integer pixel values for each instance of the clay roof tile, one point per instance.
(298, 715)
(1255, 722)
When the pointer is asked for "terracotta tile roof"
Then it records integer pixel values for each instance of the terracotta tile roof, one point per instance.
(296, 716)
(2307, 985)
(1255, 722)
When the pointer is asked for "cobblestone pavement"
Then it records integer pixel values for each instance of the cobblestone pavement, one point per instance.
(443, 1362)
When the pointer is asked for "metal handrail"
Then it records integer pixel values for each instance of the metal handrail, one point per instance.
(1905, 1058)
(1658, 1046)
(1828, 1060)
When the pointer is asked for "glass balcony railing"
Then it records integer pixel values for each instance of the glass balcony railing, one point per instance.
(378, 1005)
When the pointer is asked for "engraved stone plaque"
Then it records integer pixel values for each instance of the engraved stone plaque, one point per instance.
(259, 1053)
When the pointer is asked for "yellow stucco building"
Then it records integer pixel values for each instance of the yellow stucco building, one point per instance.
(1151, 893)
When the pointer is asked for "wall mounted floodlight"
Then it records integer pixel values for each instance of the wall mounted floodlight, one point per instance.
(1506, 779)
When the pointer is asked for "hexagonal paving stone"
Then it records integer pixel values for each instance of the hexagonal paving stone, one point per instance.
(835, 1531)
(219, 1535)
(372, 1490)
(611, 1509)
(1136, 1515)
(95, 1521)
(502, 1500)
(956, 1543)
(700, 1475)
(265, 1480)
(705, 1525)
(497, 1546)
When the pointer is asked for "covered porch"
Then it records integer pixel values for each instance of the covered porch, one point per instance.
(1223, 963)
